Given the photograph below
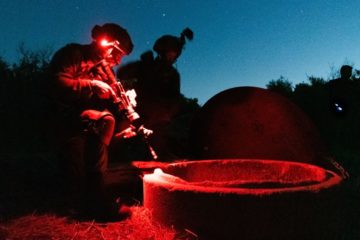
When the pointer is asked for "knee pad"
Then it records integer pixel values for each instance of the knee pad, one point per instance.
(106, 128)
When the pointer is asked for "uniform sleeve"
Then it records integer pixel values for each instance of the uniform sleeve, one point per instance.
(172, 82)
(176, 83)
(130, 75)
(65, 68)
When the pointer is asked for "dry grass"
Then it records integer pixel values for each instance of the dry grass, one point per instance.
(24, 190)
(46, 227)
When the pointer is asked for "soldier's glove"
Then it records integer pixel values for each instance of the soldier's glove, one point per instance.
(102, 89)
(144, 131)
(126, 133)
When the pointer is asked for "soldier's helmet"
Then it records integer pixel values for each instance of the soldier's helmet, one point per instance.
(113, 32)
(168, 43)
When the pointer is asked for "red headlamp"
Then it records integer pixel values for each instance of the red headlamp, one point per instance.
(115, 44)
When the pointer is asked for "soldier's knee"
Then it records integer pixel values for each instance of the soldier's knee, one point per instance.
(107, 128)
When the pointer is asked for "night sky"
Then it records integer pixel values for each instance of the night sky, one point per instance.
(237, 42)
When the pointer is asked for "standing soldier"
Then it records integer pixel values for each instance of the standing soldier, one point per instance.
(157, 84)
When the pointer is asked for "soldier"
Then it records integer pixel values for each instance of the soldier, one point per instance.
(84, 123)
(157, 84)
(339, 91)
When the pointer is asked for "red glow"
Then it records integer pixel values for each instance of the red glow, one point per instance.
(158, 171)
(242, 176)
(115, 44)
(104, 43)
(257, 199)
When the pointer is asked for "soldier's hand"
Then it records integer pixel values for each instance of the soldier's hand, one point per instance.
(131, 95)
(145, 131)
(127, 133)
(102, 89)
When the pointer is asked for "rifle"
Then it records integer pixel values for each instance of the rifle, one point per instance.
(122, 101)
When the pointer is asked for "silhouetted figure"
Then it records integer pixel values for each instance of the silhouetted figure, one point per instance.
(338, 91)
(344, 112)
(85, 124)
(157, 84)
